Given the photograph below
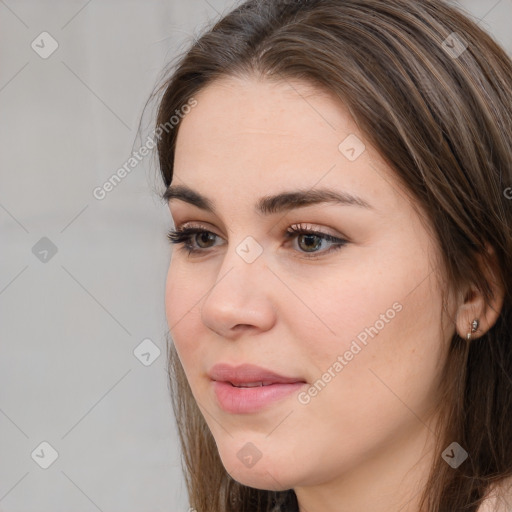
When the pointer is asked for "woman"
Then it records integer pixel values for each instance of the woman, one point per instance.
(340, 295)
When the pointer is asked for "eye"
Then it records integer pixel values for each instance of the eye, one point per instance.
(184, 236)
(198, 239)
(311, 239)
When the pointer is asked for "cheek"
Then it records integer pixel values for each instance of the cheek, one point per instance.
(383, 364)
(182, 309)
(368, 332)
(388, 305)
(340, 308)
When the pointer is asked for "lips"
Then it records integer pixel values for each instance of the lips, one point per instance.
(250, 389)
(248, 375)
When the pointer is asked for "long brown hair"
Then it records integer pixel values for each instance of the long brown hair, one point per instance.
(440, 114)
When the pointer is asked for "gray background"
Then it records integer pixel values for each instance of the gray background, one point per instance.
(70, 324)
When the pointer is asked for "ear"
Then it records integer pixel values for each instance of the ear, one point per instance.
(474, 306)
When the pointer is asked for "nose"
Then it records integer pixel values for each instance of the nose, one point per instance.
(240, 300)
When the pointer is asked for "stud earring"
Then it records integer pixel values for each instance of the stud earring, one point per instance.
(474, 326)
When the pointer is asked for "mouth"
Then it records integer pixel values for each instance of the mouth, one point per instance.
(249, 375)
(251, 384)
(249, 388)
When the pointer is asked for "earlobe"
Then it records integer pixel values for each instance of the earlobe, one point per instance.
(475, 317)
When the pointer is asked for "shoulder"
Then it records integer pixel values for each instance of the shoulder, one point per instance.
(499, 498)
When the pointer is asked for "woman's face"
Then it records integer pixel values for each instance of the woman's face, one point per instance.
(358, 323)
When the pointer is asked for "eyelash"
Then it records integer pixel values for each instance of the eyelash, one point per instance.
(183, 237)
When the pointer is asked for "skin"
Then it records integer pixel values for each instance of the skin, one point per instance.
(365, 441)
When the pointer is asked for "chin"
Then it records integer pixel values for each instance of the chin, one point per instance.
(266, 482)
(264, 474)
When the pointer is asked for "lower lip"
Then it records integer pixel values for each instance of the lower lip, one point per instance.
(246, 400)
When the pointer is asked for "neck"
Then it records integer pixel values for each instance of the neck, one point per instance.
(392, 480)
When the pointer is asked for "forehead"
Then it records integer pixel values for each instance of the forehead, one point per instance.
(249, 137)
(255, 124)
(250, 103)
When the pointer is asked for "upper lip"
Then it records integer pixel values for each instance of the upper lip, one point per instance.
(248, 373)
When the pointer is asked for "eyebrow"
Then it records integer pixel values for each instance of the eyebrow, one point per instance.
(268, 205)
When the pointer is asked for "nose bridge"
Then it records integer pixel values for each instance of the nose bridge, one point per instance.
(242, 263)
(239, 296)
(249, 250)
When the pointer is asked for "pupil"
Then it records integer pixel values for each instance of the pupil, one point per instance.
(310, 237)
(202, 237)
